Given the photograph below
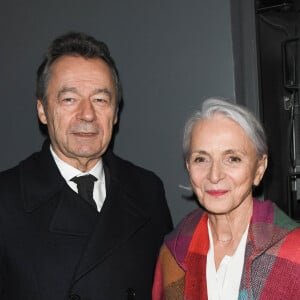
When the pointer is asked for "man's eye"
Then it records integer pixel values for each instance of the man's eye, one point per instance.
(68, 100)
(101, 100)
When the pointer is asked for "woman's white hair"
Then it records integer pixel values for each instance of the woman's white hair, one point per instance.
(237, 113)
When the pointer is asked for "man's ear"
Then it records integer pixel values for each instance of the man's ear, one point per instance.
(41, 112)
(116, 118)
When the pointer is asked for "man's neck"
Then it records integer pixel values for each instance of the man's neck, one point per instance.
(82, 164)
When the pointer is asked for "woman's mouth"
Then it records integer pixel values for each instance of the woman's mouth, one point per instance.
(216, 193)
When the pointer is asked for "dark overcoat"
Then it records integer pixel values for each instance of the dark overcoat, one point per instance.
(55, 246)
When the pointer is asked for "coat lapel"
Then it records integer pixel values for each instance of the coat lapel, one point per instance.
(118, 220)
(73, 216)
(41, 183)
(40, 179)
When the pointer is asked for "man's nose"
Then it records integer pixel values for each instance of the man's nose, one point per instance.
(86, 111)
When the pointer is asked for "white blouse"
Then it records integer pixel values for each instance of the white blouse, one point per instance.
(224, 283)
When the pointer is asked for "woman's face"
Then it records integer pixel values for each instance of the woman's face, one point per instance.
(223, 165)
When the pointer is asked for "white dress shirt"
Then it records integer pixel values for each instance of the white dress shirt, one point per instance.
(68, 172)
(224, 283)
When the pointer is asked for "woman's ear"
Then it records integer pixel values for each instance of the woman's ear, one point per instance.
(260, 170)
(187, 165)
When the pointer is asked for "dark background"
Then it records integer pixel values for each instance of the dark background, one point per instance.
(278, 45)
(171, 55)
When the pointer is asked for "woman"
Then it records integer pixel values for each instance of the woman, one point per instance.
(236, 247)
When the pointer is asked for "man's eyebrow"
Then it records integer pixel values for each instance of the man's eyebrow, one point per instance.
(65, 90)
(75, 90)
(102, 91)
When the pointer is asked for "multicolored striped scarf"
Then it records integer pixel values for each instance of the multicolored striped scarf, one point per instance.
(272, 258)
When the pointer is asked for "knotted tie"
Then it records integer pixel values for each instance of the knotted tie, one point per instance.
(85, 186)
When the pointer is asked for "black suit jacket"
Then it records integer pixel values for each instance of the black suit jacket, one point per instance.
(55, 246)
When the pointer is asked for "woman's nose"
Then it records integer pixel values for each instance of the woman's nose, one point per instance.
(215, 172)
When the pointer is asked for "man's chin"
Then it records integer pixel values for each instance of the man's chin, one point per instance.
(87, 154)
(89, 151)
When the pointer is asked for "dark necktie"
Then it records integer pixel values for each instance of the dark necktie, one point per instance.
(85, 186)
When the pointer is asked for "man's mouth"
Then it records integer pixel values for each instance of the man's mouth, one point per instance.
(84, 134)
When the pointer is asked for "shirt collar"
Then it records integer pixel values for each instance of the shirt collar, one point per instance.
(68, 171)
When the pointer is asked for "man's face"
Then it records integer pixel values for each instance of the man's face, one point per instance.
(81, 109)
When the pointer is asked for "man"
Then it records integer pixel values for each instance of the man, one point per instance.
(60, 237)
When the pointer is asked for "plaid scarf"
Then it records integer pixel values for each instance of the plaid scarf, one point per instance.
(271, 265)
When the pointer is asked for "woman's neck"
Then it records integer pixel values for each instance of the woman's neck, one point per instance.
(227, 231)
(230, 226)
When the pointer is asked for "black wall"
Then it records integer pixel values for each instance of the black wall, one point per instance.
(171, 54)
(280, 105)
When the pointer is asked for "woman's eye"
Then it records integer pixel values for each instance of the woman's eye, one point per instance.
(234, 159)
(199, 159)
